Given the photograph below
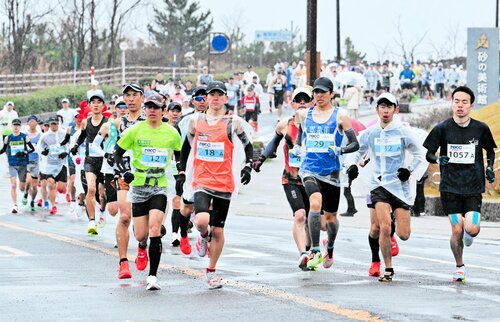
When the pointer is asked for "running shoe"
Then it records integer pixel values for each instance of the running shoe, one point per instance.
(394, 246)
(152, 283)
(39, 203)
(102, 219)
(202, 246)
(53, 210)
(327, 261)
(387, 277)
(25, 200)
(141, 261)
(174, 242)
(32, 205)
(80, 211)
(374, 269)
(185, 245)
(468, 239)
(68, 198)
(124, 271)
(213, 280)
(15, 210)
(303, 259)
(91, 228)
(459, 275)
(315, 259)
(46, 204)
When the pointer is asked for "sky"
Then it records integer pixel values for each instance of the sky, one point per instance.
(372, 25)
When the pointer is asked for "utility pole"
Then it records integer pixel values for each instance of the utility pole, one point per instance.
(496, 16)
(312, 10)
(338, 31)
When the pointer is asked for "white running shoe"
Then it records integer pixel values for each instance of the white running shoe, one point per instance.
(80, 211)
(152, 283)
(213, 280)
(303, 259)
(468, 239)
(15, 209)
(174, 242)
(459, 275)
(102, 219)
(202, 246)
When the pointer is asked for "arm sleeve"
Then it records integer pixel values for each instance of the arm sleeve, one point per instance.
(118, 156)
(299, 136)
(66, 139)
(96, 145)
(361, 152)
(81, 138)
(30, 146)
(352, 142)
(248, 146)
(272, 146)
(186, 149)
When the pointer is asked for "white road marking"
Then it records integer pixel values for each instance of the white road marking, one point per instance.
(12, 251)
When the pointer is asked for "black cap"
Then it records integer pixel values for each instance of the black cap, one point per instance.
(174, 106)
(200, 90)
(133, 86)
(32, 118)
(16, 122)
(155, 100)
(216, 86)
(324, 84)
(53, 119)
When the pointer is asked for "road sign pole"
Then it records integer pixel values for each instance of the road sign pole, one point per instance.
(75, 62)
(174, 63)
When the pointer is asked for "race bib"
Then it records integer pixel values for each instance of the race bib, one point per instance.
(55, 149)
(388, 147)
(154, 157)
(294, 160)
(278, 87)
(318, 143)
(250, 107)
(16, 146)
(462, 153)
(210, 151)
(92, 151)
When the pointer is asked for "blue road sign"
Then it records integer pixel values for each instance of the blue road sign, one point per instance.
(219, 43)
(276, 36)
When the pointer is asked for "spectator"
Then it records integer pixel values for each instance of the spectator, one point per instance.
(67, 113)
(204, 78)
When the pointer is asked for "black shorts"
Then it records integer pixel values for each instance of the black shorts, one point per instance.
(330, 193)
(380, 194)
(158, 202)
(278, 98)
(62, 176)
(93, 164)
(110, 188)
(297, 197)
(220, 208)
(454, 203)
(251, 116)
(71, 168)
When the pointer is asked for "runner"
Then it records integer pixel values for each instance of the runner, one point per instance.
(291, 181)
(461, 140)
(18, 146)
(390, 192)
(151, 143)
(214, 166)
(279, 85)
(251, 104)
(324, 127)
(33, 169)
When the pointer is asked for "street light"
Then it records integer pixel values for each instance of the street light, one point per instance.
(123, 47)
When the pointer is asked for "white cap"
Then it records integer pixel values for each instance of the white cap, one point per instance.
(304, 90)
(94, 82)
(10, 103)
(388, 96)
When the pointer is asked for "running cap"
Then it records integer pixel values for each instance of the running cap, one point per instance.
(65, 100)
(96, 94)
(216, 86)
(324, 84)
(300, 90)
(119, 101)
(32, 118)
(133, 86)
(10, 103)
(200, 90)
(155, 100)
(16, 122)
(94, 82)
(174, 106)
(389, 97)
(53, 120)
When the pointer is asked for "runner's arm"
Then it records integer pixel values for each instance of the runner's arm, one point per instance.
(185, 150)
(30, 147)
(272, 146)
(490, 157)
(352, 142)
(66, 139)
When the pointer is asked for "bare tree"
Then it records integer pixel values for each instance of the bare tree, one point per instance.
(407, 46)
(233, 25)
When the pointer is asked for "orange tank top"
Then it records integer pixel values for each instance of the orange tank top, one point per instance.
(213, 155)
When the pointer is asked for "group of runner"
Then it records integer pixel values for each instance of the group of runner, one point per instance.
(128, 163)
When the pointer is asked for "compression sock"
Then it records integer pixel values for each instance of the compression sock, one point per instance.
(183, 225)
(374, 247)
(393, 226)
(331, 229)
(176, 213)
(155, 248)
(314, 221)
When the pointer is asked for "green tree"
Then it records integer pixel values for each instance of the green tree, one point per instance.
(180, 26)
(351, 54)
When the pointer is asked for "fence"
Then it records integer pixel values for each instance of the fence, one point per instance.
(19, 84)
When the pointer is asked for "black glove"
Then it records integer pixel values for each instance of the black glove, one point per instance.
(179, 182)
(353, 172)
(246, 174)
(21, 154)
(110, 158)
(403, 174)
(128, 177)
(490, 175)
(63, 155)
(257, 164)
(45, 152)
(74, 150)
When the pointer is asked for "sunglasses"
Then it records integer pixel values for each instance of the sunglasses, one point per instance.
(199, 98)
(154, 107)
(300, 98)
(121, 106)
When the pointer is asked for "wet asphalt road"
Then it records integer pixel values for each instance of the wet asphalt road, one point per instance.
(52, 271)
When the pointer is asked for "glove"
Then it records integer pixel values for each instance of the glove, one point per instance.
(78, 160)
(352, 172)
(295, 150)
(257, 164)
(403, 174)
(179, 183)
(74, 150)
(490, 174)
(21, 154)
(63, 155)
(442, 159)
(128, 177)
(45, 152)
(334, 151)
(110, 158)
(246, 174)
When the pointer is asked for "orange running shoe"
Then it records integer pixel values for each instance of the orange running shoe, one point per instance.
(374, 269)
(185, 245)
(394, 247)
(124, 271)
(141, 261)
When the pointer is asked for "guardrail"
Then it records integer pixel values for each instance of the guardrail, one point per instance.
(20, 84)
